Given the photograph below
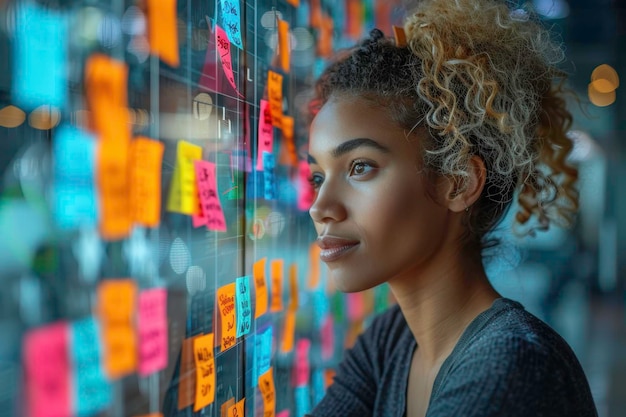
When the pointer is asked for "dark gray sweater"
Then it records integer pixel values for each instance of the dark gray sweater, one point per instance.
(506, 363)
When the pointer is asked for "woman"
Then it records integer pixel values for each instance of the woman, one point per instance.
(416, 152)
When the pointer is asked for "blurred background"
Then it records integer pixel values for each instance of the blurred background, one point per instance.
(104, 108)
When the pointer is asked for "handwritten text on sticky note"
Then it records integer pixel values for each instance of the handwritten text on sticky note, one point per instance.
(227, 306)
(152, 330)
(205, 371)
(209, 199)
(244, 310)
(260, 286)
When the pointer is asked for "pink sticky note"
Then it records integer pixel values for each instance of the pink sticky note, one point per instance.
(209, 199)
(306, 193)
(284, 413)
(152, 330)
(47, 367)
(302, 367)
(223, 49)
(266, 133)
(328, 337)
(356, 307)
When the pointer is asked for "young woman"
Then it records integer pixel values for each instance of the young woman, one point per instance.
(416, 152)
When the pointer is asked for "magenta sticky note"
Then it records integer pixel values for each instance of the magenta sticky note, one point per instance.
(266, 133)
(209, 198)
(327, 337)
(302, 366)
(284, 413)
(306, 193)
(47, 369)
(152, 328)
(223, 49)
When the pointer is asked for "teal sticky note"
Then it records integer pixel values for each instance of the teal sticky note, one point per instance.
(318, 387)
(321, 306)
(92, 390)
(302, 399)
(74, 192)
(262, 353)
(231, 21)
(244, 312)
(269, 176)
(39, 57)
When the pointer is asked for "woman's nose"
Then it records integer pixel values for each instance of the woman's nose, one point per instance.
(328, 205)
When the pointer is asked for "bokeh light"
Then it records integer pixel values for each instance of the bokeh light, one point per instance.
(11, 116)
(44, 117)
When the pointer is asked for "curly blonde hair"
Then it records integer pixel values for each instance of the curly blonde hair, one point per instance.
(484, 80)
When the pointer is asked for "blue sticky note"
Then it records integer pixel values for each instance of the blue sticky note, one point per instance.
(92, 391)
(244, 312)
(74, 193)
(262, 353)
(231, 21)
(318, 385)
(269, 177)
(303, 400)
(321, 306)
(39, 57)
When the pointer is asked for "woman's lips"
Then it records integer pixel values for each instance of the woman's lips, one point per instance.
(334, 248)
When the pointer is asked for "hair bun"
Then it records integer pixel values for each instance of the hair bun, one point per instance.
(376, 34)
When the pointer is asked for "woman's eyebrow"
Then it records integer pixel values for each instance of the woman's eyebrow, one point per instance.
(352, 144)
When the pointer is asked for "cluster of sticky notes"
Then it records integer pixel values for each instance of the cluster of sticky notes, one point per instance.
(152, 326)
(163, 30)
(41, 36)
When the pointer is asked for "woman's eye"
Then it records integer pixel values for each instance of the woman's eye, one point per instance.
(316, 180)
(360, 168)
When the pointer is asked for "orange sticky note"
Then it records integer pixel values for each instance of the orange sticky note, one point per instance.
(325, 42)
(146, 156)
(236, 410)
(289, 155)
(354, 12)
(284, 50)
(277, 285)
(289, 331)
(260, 286)
(294, 3)
(275, 96)
(183, 195)
(293, 286)
(114, 185)
(400, 36)
(205, 371)
(187, 375)
(268, 392)
(116, 310)
(228, 314)
(226, 406)
(315, 18)
(163, 30)
(314, 265)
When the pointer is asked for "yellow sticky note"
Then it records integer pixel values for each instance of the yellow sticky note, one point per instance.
(187, 375)
(163, 30)
(284, 49)
(275, 96)
(227, 307)
(183, 196)
(289, 331)
(277, 285)
(293, 286)
(116, 310)
(205, 371)
(260, 286)
(236, 410)
(145, 179)
(268, 392)
(314, 265)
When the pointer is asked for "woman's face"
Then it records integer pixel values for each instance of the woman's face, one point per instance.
(372, 213)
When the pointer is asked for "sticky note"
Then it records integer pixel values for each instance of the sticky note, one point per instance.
(293, 286)
(46, 366)
(228, 315)
(209, 200)
(260, 286)
(314, 265)
(319, 300)
(114, 184)
(354, 26)
(294, 3)
(327, 336)
(146, 156)
(223, 48)
(306, 193)
(325, 42)
(400, 36)
(284, 49)
(268, 392)
(152, 323)
(284, 413)
(74, 194)
(266, 133)
(275, 96)
(269, 176)
(276, 266)
(116, 310)
(318, 388)
(289, 331)
(163, 30)
(315, 18)
(262, 352)
(237, 409)
(92, 391)
(302, 365)
(244, 311)
(231, 21)
(41, 36)
(226, 406)
(289, 148)
(205, 371)
(302, 396)
(356, 306)
(187, 375)
(183, 195)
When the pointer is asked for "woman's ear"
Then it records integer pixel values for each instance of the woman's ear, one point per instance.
(462, 195)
